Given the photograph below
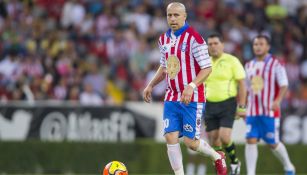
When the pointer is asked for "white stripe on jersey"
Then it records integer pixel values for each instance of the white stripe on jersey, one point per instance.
(176, 79)
(277, 125)
(161, 48)
(199, 113)
(193, 72)
(200, 53)
(266, 88)
(281, 75)
(272, 88)
(183, 63)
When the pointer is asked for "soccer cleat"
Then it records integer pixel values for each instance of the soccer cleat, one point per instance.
(220, 164)
(235, 168)
(290, 172)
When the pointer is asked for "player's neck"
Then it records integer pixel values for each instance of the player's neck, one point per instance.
(261, 57)
(214, 58)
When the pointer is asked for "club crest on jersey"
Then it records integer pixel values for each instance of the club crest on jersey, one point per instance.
(172, 66)
(183, 46)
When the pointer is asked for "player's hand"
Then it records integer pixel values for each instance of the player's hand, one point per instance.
(240, 114)
(187, 95)
(147, 93)
(275, 105)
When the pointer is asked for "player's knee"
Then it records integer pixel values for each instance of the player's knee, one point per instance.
(171, 138)
(225, 140)
(252, 141)
(273, 146)
(191, 144)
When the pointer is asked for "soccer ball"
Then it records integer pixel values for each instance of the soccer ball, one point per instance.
(115, 168)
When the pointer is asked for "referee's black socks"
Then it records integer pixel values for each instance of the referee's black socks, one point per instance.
(231, 151)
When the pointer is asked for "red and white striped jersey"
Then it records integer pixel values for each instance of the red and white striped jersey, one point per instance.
(264, 79)
(183, 54)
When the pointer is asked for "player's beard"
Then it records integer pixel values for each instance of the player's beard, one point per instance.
(261, 56)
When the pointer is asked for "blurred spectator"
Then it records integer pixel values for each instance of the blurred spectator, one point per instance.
(90, 97)
(52, 49)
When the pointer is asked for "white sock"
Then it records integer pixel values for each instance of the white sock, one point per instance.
(251, 156)
(201, 170)
(175, 158)
(281, 153)
(179, 172)
(190, 169)
(205, 149)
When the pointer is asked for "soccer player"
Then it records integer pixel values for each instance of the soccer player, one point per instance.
(267, 84)
(226, 80)
(186, 64)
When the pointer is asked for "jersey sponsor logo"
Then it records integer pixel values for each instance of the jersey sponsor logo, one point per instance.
(188, 128)
(173, 66)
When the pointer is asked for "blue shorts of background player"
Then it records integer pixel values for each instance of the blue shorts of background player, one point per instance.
(184, 118)
(263, 127)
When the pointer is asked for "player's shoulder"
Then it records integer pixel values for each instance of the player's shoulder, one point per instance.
(162, 38)
(198, 38)
(230, 57)
(249, 63)
(278, 61)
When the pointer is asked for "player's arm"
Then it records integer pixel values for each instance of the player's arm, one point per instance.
(242, 92)
(241, 108)
(202, 76)
(240, 76)
(201, 56)
(282, 92)
(282, 82)
(158, 77)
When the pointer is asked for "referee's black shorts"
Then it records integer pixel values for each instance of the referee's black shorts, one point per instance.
(220, 114)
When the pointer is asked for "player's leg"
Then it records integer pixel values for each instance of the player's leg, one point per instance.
(251, 149)
(227, 114)
(191, 132)
(191, 164)
(172, 130)
(227, 117)
(194, 164)
(214, 139)
(212, 123)
(271, 137)
(230, 149)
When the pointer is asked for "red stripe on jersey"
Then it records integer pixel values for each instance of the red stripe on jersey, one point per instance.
(188, 63)
(162, 39)
(256, 104)
(180, 79)
(168, 92)
(262, 91)
(269, 82)
(201, 93)
(200, 87)
(173, 83)
(277, 89)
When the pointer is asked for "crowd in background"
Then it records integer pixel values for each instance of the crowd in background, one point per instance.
(100, 52)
